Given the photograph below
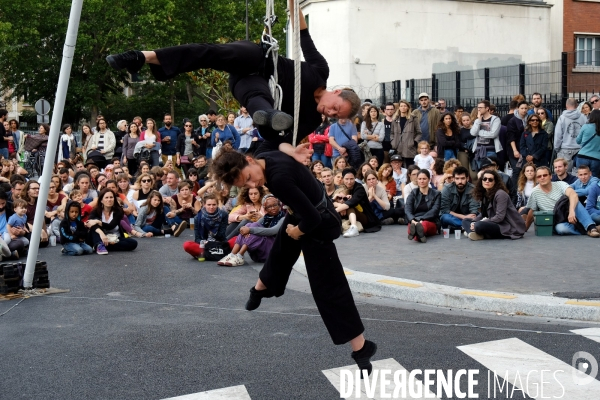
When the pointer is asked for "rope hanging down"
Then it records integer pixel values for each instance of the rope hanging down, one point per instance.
(273, 49)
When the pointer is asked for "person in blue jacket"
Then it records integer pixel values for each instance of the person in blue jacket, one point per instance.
(592, 205)
(589, 140)
(534, 142)
(224, 132)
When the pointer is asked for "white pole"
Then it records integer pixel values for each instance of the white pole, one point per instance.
(59, 107)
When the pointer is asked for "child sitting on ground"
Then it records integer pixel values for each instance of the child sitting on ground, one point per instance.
(18, 220)
(73, 232)
(86, 209)
(55, 224)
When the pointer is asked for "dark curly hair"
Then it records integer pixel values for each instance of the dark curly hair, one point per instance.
(228, 166)
(481, 194)
(453, 125)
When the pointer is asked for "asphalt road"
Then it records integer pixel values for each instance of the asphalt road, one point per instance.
(154, 324)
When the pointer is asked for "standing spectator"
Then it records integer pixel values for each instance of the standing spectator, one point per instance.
(389, 110)
(202, 135)
(499, 218)
(457, 202)
(86, 136)
(424, 160)
(244, 126)
(548, 126)
(185, 147)
(152, 141)
(119, 135)
(428, 118)
(129, 141)
(373, 132)
(545, 196)
(339, 133)
(560, 172)
(448, 136)
(589, 139)
(486, 130)
(67, 145)
(319, 142)
(566, 131)
(224, 132)
(3, 134)
(534, 142)
(103, 141)
(442, 106)
(423, 209)
(465, 155)
(168, 135)
(536, 99)
(586, 109)
(595, 102)
(458, 113)
(511, 113)
(138, 121)
(19, 136)
(406, 133)
(514, 131)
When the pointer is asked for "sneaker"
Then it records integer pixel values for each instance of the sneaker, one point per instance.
(475, 236)
(132, 60)
(351, 232)
(421, 233)
(412, 231)
(387, 221)
(255, 298)
(100, 249)
(230, 260)
(363, 357)
(180, 228)
(276, 120)
(401, 221)
(593, 233)
(239, 259)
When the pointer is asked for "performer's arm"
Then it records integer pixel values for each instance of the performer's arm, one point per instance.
(301, 16)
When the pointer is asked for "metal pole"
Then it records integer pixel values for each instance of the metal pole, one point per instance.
(59, 107)
(247, 33)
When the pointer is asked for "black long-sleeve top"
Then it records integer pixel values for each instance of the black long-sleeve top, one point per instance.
(117, 217)
(446, 142)
(314, 74)
(295, 186)
(514, 130)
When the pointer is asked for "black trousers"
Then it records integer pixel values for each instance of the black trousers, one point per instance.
(243, 60)
(328, 283)
(488, 230)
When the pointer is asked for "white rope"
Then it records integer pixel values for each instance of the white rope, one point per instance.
(297, 69)
(273, 50)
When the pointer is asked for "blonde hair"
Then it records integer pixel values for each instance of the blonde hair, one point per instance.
(424, 143)
(397, 113)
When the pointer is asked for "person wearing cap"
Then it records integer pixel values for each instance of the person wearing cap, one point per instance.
(398, 173)
(491, 162)
(428, 117)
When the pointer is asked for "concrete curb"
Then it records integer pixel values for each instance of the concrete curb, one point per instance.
(455, 297)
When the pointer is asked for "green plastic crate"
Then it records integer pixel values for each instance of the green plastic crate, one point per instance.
(544, 223)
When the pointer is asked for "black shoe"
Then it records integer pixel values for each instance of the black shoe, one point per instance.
(167, 231)
(132, 60)
(255, 298)
(401, 221)
(276, 120)
(421, 233)
(411, 231)
(363, 357)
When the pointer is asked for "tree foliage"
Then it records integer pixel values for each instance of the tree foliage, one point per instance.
(32, 34)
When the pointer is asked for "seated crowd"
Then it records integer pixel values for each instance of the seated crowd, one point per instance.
(477, 174)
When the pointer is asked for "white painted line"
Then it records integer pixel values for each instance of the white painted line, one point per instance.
(228, 393)
(590, 333)
(366, 391)
(522, 364)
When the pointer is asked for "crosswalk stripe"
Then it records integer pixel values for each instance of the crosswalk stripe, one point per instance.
(590, 333)
(521, 365)
(334, 376)
(228, 393)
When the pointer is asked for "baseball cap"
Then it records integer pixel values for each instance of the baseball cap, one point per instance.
(396, 157)
(423, 94)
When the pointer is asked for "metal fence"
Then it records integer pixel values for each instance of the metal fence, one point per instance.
(555, 80)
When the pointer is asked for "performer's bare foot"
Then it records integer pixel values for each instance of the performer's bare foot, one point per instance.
(132, 60)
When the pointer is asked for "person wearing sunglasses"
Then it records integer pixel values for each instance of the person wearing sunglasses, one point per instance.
(547, 125)
(186, 144)
(534, 142)
(570, 218)
(499, 219)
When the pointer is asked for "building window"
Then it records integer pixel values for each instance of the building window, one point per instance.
(588, 51)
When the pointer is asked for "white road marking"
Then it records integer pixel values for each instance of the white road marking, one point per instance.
(366, 391)
(522, 364)
(228, 393)
(590, 333)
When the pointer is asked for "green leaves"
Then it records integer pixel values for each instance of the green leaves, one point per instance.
(32, 35)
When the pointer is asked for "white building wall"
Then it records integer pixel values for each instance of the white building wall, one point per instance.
(556, 28)
(370, 41)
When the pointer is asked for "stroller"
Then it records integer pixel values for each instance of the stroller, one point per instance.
(34, 160)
